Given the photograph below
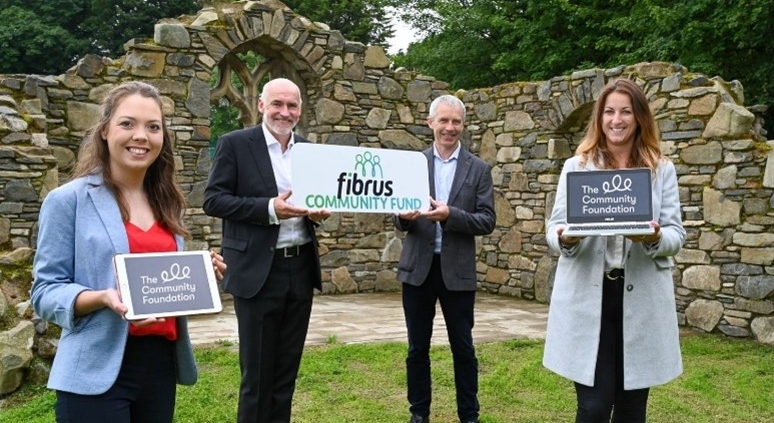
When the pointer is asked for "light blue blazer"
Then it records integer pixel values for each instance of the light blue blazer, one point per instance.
(80, 231)
(651, 340)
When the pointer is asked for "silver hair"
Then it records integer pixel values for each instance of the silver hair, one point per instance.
(449, 100)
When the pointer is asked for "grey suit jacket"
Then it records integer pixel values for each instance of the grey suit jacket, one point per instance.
(80, 231)
(651, 342)
(240, 185)
(471, 213)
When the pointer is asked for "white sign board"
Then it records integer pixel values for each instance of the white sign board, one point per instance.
(359, 179)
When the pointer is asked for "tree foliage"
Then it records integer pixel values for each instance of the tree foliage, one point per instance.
(111, 23)
(47, 37)
(476, 43)
(32, 42)
(357, 20)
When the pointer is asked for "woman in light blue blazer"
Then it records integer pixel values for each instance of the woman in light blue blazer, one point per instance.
(123, 198)
(612, 323)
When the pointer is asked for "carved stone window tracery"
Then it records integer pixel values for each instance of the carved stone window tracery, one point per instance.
(241, 76)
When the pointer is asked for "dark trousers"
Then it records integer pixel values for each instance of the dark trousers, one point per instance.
(457, 307)
(272, 331)
(596, 403)
(144, 391)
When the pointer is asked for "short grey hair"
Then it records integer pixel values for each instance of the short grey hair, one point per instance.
(449, 100)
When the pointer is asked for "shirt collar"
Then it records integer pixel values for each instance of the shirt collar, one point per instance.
(454, 156)
(270, 139)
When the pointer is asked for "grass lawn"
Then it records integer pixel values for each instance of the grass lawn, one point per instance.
(725, 381)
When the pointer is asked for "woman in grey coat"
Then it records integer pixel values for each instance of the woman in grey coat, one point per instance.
(612, 324)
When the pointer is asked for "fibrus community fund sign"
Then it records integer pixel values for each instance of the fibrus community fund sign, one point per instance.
(359, 179)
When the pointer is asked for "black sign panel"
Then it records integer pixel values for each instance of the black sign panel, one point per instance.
(602, 196)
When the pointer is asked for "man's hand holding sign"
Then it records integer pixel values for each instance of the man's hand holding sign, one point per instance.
(286, 210)
(438, 212)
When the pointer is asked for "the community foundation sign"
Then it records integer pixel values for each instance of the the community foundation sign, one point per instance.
(167, 284)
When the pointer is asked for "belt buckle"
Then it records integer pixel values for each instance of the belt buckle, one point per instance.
(292, 251)
(614, 274)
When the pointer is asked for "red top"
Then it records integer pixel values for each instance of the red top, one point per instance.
(155, 240)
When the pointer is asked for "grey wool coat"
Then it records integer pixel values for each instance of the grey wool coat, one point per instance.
(650, 333)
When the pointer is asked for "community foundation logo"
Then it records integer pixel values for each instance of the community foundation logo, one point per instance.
(169, 290)
(615, 197)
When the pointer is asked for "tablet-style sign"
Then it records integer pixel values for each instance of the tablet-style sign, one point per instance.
(359, 179)
(167, 284)
(609, 202)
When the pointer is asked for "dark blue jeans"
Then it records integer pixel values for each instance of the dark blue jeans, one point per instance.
(144, 391)
(457, 307)
(595, 404)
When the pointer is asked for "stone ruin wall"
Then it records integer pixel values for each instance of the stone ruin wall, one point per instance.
(724, 279)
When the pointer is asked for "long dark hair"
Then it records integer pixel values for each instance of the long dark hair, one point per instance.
(164, 196)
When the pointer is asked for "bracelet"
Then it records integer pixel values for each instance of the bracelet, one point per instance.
(565, 245)
(654, 242)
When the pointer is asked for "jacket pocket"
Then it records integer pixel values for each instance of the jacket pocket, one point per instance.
(234, 244)
(466, 274)
(664, 262)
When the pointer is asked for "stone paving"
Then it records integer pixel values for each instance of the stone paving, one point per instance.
(378, 317)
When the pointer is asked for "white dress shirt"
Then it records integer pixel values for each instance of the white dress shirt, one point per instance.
(293, 230)
(443, 176)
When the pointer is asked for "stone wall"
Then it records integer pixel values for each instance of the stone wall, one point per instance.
(724, 279)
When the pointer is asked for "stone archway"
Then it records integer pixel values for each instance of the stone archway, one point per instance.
(244, 94)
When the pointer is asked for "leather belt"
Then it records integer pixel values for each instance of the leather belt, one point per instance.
(292, 251)
(614, 274)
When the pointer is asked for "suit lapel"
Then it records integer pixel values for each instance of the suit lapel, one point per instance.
(107, 209)
(260, 152)
(463, 167)
(110, 215)
(431, 170)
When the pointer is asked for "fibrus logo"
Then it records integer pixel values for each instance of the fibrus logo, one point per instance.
(364, 188)
(352, 185)
(371, 160)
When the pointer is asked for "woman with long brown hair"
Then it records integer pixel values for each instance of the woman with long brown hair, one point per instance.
(612, 323)
(123, 199)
